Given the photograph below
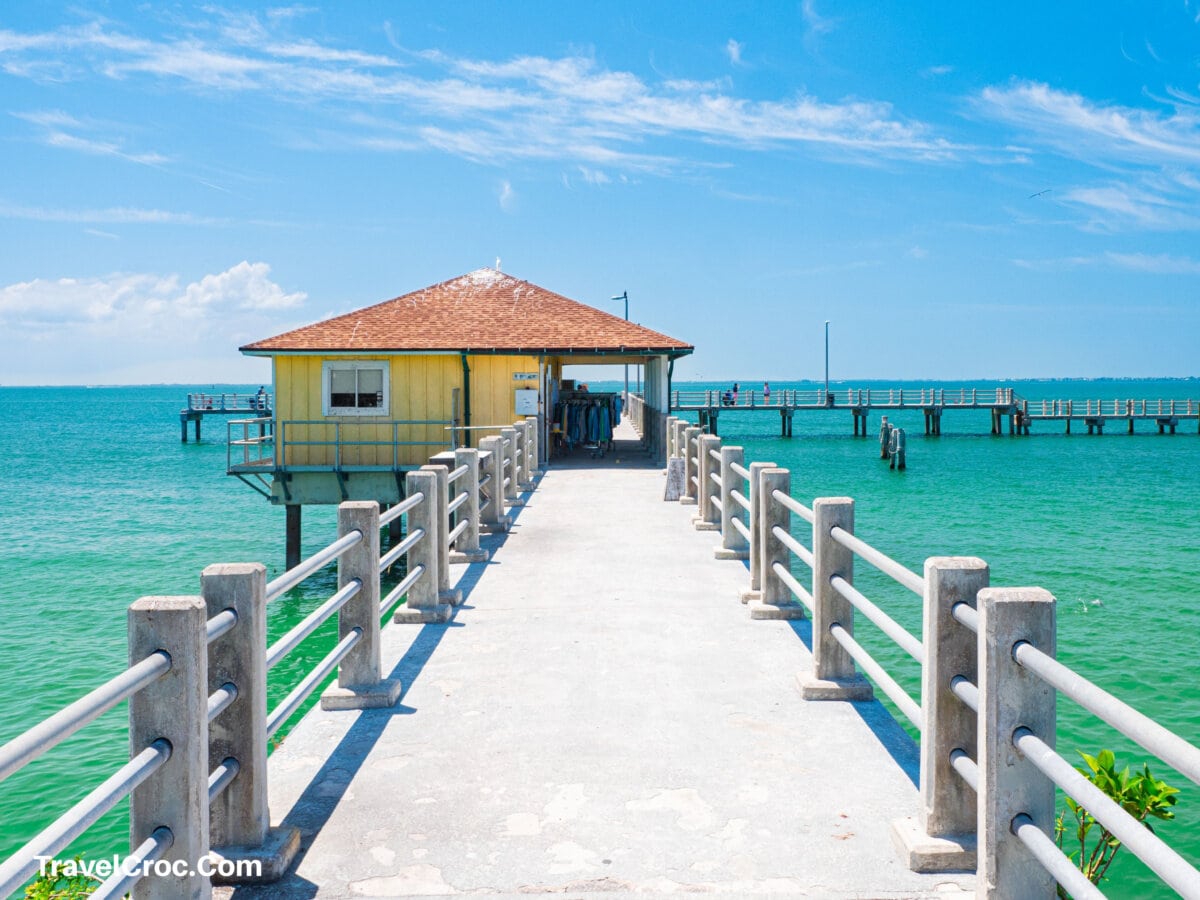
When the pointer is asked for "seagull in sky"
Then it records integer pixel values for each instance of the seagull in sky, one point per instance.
(1039, 193)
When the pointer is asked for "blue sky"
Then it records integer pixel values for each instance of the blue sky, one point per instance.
(963, 190)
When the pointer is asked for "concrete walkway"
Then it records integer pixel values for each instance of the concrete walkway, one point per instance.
(601, 717)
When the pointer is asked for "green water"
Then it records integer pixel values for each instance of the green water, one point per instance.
(101, 504)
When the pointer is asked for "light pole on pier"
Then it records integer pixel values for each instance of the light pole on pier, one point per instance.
(826, 361)
(624, 295)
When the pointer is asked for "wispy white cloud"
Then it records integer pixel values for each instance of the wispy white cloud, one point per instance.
(112, 215)
(817, 24)
(528, 107)
(1119, 206)
(733, 49)
(1158, 264)
(507, 196)
(1095, 132)
(1143, 263)
(938, 71)
(62, 130)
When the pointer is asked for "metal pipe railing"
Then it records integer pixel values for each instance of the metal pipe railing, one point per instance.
(880, 561)
(75, 821)
(46, 735)
(319, 560)
(390, 558)
(311, 682)
(1144, 843)
(129, 872)
(1140, 728)
(891, 687)
(400, 508)
(882, 620)
(310, 623)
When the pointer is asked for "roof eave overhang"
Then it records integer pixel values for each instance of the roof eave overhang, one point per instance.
(672, 352)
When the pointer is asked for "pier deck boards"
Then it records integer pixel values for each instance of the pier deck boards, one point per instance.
(602, 716)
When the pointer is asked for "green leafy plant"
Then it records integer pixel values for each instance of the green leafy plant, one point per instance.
(52, 884)
(1141, 795)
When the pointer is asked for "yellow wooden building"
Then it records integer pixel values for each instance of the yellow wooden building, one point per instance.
(363, 397)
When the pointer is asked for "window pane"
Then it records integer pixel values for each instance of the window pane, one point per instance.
(341, 387)
(370, 388)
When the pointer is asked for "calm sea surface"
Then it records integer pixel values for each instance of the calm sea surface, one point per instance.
(100, 503)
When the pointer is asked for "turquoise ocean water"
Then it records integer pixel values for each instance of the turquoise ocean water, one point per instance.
(100, 503)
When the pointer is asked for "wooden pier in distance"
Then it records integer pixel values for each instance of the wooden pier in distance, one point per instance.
(933, 402)
(201, 405)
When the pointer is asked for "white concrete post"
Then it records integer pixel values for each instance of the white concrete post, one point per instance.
(175, 709)
(708, 514)
(509, 438)
(1011, 697)
(733, 544)
(360, 684)
(466, 548)
(691, 468)
(534, 424)
(833, 676)
(776, 600)
(442, 501)
(239, 818)
(671, 420)
(528, 454)
(423, 603)
(942, 837)
(681, 427)
(756, 536)
(493, 519)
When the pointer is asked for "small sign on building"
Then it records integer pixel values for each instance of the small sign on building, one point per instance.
(525, 377)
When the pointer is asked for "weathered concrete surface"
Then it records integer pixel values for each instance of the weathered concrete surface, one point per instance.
(600, 717)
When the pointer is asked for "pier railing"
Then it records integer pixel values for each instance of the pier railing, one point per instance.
(236, 403)
(321, 444)
(986, 714)
(197, 680)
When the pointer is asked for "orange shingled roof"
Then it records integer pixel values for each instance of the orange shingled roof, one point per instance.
(483, 311)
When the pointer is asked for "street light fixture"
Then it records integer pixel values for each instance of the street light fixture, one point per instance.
(624, 295)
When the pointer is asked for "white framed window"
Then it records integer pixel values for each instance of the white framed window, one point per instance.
(355, 387)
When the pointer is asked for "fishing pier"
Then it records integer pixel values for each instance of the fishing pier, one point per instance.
(200, 405)
(546, 679)
(1022, 413)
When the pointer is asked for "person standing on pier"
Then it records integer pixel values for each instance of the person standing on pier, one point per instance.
(260, 399)
(766, 392)
(735, 393)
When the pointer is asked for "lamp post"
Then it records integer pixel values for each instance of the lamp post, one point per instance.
(624, 295)
(826, 362)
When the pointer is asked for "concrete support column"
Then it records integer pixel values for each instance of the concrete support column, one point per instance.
(756, 537)
(776, 600)
(292, 543)
(466, 548)
(423, 603)
(708, 514)
(1010, 698)
(733, 544)
(442, 514)
(942, 838)
(492, 517)
(833, 676)
(240, 818)
(691, 467)
(360, 683)
(174, 710)
(510, 443)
